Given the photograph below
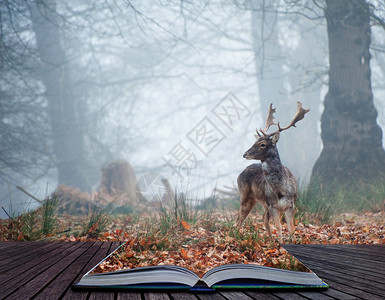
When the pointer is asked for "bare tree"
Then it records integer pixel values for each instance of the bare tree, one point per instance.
(24, 141)
(67, 134)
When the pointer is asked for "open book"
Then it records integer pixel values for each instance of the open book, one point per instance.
(234, 276)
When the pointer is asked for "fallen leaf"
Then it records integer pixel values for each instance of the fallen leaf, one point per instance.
(184, 253)
(185, 225)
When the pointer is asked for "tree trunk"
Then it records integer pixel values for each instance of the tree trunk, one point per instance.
(352, 140)
(66, 132)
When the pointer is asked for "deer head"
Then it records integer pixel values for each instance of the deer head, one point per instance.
(266, 143)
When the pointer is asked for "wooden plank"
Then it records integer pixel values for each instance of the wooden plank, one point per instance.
(261, 295)
(375, 253)
(183, 296)
(372, 271)
(17, 250)
(102, 296)
(235, 295)
(361, 273)
(327, 294)
(9, 246)
(344, 265)
(20, 262)
(63, 281)
(373, 248)
(338, 294)
(156, 296)
(360, 248)
(347, 286)
(315, 295)
(99, 255)
(24, 275)
(339, 251)
(130, 296)
(361, 264)
(4, 245)
(15, 269)
(39, 282)
(361, 279)
(322, 263)
(288, 295)
(210, 296)
(352, 281)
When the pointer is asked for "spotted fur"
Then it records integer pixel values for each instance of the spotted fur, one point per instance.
(269, 183)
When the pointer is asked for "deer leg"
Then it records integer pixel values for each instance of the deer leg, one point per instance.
(289, 217)
(276, 217)
(266, 219)
(247, 204)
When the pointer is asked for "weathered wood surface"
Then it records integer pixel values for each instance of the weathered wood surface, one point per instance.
(47, 270)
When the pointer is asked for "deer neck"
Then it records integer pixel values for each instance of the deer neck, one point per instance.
(273, 169)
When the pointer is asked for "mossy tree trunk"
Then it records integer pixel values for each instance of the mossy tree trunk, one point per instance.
(352, 141)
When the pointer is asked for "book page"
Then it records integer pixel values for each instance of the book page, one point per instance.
(199, 250)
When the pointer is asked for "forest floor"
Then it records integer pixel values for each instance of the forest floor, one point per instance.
(347, 228)
(202, 241)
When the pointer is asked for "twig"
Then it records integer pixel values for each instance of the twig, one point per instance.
(64, 231)
(6, 213)
(32, 196)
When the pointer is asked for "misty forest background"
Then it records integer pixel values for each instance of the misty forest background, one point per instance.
(85, 83)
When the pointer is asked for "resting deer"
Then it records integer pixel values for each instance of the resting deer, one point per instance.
(269, 183)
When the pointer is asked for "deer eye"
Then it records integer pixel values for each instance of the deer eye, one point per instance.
(263, 145)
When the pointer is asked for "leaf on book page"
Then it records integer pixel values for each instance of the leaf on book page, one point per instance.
(130, 254)
(211, 253)
(272, 252)
(184, 254)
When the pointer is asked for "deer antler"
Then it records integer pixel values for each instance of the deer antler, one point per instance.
(269, 120)
(300, 114)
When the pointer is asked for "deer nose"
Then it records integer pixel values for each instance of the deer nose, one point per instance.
(245, 154)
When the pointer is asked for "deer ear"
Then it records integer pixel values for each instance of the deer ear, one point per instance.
(275, 138)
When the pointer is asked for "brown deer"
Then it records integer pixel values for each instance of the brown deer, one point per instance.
(269, 183)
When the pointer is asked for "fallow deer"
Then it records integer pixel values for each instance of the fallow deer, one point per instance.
(269, 182)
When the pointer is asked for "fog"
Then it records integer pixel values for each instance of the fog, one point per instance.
(175, 88)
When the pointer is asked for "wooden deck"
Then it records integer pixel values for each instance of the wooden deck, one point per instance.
(47, 270)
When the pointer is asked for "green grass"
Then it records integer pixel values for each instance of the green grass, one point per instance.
(49, 218)
(166, 223)
(248, 238)
(29, 229)
(315, 203)
(370, 198)
(323, 204)
(33, 225)
(97, 223)
(180, 209)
